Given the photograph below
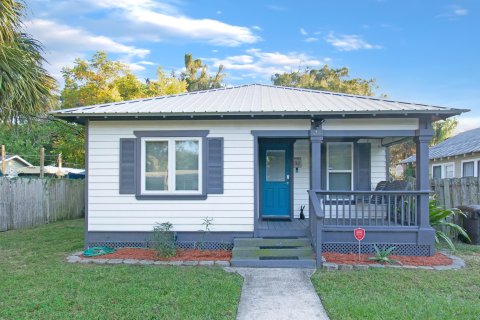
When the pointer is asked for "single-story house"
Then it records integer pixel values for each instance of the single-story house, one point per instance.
(13, 163)
(456, 157)
(250, 157)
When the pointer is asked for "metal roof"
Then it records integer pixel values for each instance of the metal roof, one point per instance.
(463, 143)
(253, 99)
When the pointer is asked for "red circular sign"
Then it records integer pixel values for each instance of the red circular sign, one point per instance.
(359, 233)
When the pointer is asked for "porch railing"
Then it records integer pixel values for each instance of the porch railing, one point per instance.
(366, 208)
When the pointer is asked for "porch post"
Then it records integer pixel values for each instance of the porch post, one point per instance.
(423, 136)
(316, 138)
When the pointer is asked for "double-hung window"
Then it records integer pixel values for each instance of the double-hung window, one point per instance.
(171, 165)
(468, 168)
(442, 171)
(340, 166)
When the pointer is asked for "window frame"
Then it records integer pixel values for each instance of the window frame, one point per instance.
(351, 171)
(171, 166)
(444, 169)
(441, 170)
(174, 135)
(476, 166)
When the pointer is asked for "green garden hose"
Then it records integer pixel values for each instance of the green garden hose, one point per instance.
(97, 251)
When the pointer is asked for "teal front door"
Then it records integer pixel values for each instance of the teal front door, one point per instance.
(275, 176)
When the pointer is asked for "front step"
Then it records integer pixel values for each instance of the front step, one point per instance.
(273, 253)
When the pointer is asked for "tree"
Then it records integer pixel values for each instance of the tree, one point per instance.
(442, 130)
(26, 88)
(327, 79)
(101, 80)
(197, 77)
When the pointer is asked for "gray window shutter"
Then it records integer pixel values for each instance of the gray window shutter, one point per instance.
(127, 166)
(363, 166)
(214, 165)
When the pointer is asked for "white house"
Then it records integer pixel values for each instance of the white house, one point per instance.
(250, 157)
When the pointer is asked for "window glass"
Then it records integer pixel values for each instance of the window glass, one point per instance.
(275, 163)
(340, 181)
(478, 168)
(437, 172)
(468, 169)
(186, 165)
(449, 171)
(340, 156)
(156, 165)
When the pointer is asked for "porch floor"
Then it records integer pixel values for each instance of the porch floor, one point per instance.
(282, 228)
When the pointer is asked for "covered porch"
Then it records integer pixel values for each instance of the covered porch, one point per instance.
(345, 191)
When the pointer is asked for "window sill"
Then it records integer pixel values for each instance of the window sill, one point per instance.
(171, 196)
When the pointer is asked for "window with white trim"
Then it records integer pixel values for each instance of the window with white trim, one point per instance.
(340, 166)
(444, 170)
(171, 165)
(468, 169)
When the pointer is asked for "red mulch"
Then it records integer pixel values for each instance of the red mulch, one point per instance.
(149, 254)
(352, 258)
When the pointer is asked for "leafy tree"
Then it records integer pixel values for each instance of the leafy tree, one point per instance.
(327, 79)
(55, 136)
(26, 88)
(165, 84)
(197, 77)
(443, 130)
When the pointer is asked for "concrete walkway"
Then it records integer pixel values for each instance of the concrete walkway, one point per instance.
(277, 294)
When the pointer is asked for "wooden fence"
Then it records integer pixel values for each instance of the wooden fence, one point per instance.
(27, 202)
(455, 192)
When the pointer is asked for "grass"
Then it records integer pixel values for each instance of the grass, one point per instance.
(403, 294)
(37, 283)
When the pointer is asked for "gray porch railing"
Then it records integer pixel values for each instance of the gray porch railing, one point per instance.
(362, 208)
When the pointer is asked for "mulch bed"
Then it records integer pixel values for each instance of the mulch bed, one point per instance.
(182, 255)
(352, 258)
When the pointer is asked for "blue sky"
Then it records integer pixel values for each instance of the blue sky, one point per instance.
(420, 51)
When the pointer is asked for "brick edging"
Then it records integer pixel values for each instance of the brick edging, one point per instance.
(77, 258)
(457, 263)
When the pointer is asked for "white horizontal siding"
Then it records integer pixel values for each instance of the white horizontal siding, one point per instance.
(302, 177)
(231, 211)
(378, 162)
(371, 124)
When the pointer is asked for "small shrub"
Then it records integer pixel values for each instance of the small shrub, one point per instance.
(382, 255)
(163, 240)
(441, 220)
(207, 222)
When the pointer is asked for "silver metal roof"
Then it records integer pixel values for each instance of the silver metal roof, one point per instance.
(255, 99)
(463, 143)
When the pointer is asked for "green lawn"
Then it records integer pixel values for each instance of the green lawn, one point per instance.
(37, 283)
(403, 294)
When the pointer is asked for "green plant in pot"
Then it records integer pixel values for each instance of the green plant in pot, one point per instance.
(163, 240)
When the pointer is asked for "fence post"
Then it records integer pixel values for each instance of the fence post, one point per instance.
(3, 159)
(59, 168)
(42, 162)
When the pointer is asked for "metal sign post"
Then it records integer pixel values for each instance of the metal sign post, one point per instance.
(359, 234)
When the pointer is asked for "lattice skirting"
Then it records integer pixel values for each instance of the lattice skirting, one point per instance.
(400, 249)
(207, 245)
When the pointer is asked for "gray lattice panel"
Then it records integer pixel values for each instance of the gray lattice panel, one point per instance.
(208, 245)
(400, 249)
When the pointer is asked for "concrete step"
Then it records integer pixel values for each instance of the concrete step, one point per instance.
(257, 252)
(257, 263)
(255, 242)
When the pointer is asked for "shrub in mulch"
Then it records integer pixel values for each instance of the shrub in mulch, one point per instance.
(181, 255)
(352, 258)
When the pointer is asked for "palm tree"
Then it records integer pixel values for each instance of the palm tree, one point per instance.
(26, 88)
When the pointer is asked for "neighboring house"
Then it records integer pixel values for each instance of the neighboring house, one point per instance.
(456, 157)
(249, 157)
(13, 163)
(52, 171)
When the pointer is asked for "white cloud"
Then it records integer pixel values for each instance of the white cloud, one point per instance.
(257, 28)
(64, 43)
(453, 13)
(352, 42)
(467, 123)
(256, 63)
(311, 39)
(303, 32)
(159, 15)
